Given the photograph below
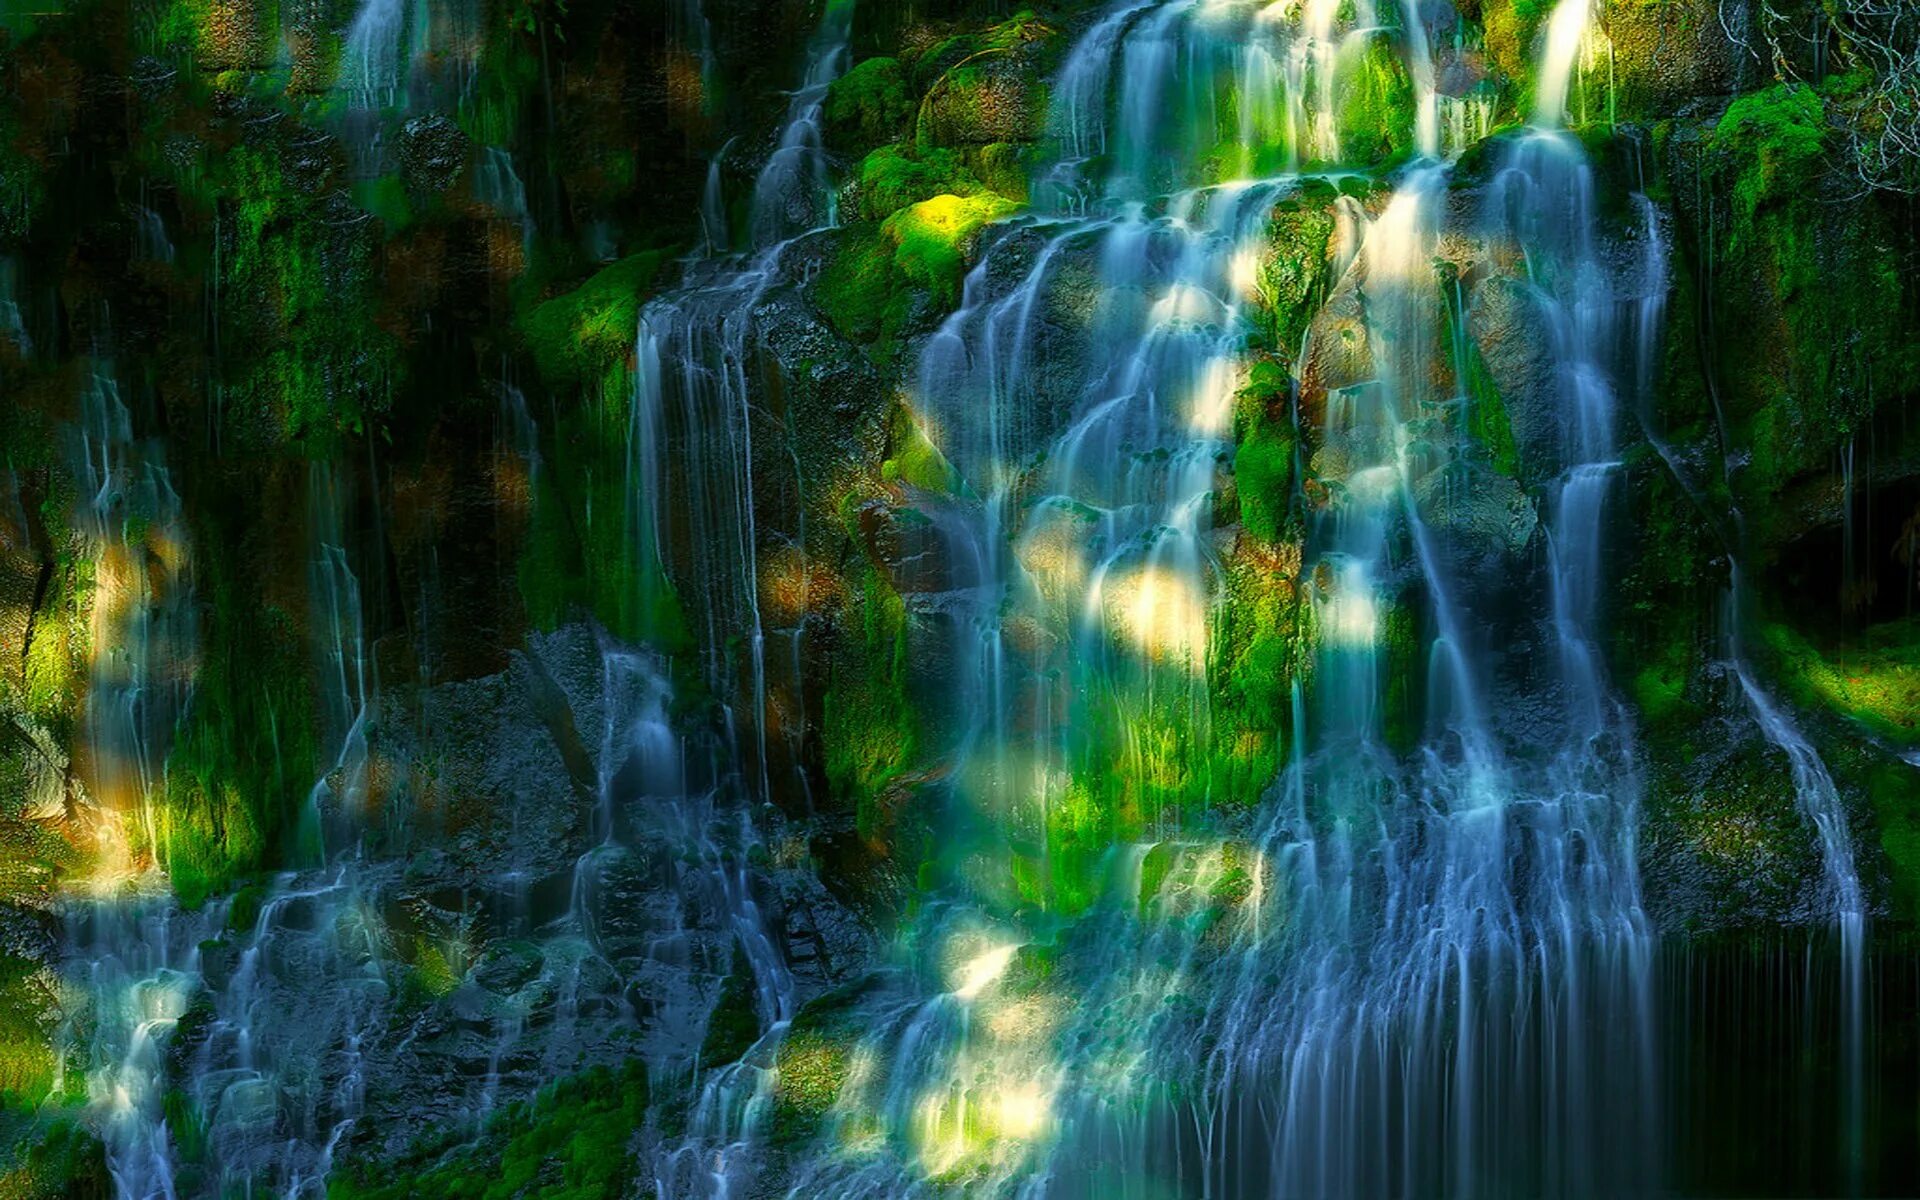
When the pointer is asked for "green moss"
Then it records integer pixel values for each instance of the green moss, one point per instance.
(1781, 135)
(895, 176)
(245, 755)
(573, 1141)
(51, 1155)
(1809, 271)
(435, 975)
(29, 1012)
(1875, 681)
(386, 198)
(1261, 642)
(1293, 271)
(1263, 460)
(734, 1024)
(587, 548)
(871, 286)
(1487, 422)
(869, 104)
(1375, 111)
(1402, 698)
(814, 1062)
(577, 337)
(298, 289)
(1893, 788)
(913, 459)
(930, 240)
(869, 727)
(586, 551)
(813, 1068)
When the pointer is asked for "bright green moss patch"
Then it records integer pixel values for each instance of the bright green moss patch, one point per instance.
(813, 1063)
(1875, 681)
(573, 1141)
(1263, 461)
(29, 1011)
(1261, 642)
(895, 176)
(1807, 269)
(434, 973)
(245, 755)
(1782, 134)
(576, 337)
(871, 286)
(914, 460)
(930, 240)
(1375, 107)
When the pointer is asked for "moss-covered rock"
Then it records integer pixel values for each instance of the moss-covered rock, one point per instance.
(1811, 270)
(814, 1062)
(582, 335)
(574, 1141)
(869, 105)
(1375, 105)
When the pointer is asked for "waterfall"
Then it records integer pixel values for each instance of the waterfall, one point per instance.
(498, 186)
(143, 626)
(1820, 805)
(1416, 973)
(371, 58)
(1566, 30)
(694, 359)
(793, 193)
(344, 662)
(280, 988)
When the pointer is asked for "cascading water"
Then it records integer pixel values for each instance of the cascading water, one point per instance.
(280, 990)
(1417, 975)
(1821, 807)
(692, 401)
(143, 622)
(793, 193)
(373, 58)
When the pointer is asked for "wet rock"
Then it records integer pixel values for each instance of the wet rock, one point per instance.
(506, 967)
(1665, 55)
(1723, 845)
(904, 544)
(1338, 352)
(433, 152)
(1511, 330)
(1483, 519)
(992, 97)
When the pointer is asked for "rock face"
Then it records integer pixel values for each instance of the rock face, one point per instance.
(533, 701)
(1516, 343)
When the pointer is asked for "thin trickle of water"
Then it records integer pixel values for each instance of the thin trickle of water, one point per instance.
(1820, 804)
(793, 193)
(497, 185)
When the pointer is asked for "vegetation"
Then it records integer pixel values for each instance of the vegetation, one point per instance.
(573, 1141)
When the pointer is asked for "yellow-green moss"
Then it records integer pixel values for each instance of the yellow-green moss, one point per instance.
(578, 336)
(1875, 681)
